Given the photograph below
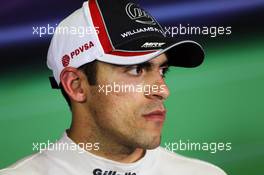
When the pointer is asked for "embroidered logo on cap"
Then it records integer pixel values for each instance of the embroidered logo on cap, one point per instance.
(67, 58)
(151, 45)
(139, 15)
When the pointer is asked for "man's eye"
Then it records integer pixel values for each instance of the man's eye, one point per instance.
(163, 71)
(135, 70)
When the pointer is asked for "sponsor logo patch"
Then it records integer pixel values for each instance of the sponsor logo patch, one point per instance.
(99, 171)
(67, 57)
(139, 15)
(152, 44)
(65, 60)
(140, 30)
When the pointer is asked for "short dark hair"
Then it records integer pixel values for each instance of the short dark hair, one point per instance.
(90, 71)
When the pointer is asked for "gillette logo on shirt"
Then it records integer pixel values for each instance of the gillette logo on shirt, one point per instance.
(99, 171)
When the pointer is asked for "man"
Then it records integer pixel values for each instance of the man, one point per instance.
(121, 126)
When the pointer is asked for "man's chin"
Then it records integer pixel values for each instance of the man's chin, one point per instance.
(152, 143)
(152, 147)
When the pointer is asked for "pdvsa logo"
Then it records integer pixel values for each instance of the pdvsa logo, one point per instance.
(139, 15)
(99, 171)
(67, 58)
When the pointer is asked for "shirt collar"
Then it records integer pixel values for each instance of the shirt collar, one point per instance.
(77, 155)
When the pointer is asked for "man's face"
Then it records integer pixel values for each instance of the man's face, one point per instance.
(133, 118)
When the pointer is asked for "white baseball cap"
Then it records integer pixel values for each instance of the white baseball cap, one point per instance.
(117, 32)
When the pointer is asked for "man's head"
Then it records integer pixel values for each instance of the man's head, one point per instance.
(129, 50)
(133, 118)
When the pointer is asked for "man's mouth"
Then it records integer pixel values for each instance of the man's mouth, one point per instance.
(158, 115)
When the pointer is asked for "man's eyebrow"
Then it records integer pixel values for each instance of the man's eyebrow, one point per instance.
(147, 65)
(143, 65)
(150, 64)
(165, 63)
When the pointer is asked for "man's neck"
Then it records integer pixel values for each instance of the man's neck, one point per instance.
(81, 133)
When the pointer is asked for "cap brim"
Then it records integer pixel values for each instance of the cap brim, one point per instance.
(181, 54)
(184, 54)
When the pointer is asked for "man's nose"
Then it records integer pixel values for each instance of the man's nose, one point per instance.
(158, 89)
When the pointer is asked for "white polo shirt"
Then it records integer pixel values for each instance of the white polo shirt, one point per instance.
(73, 162)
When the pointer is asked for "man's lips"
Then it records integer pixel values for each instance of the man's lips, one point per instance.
(157, 115)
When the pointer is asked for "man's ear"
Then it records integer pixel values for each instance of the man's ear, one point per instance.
(73, 82)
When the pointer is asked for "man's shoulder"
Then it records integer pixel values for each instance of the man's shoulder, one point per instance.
(35, 164)
(171, 162)
(25, 165)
